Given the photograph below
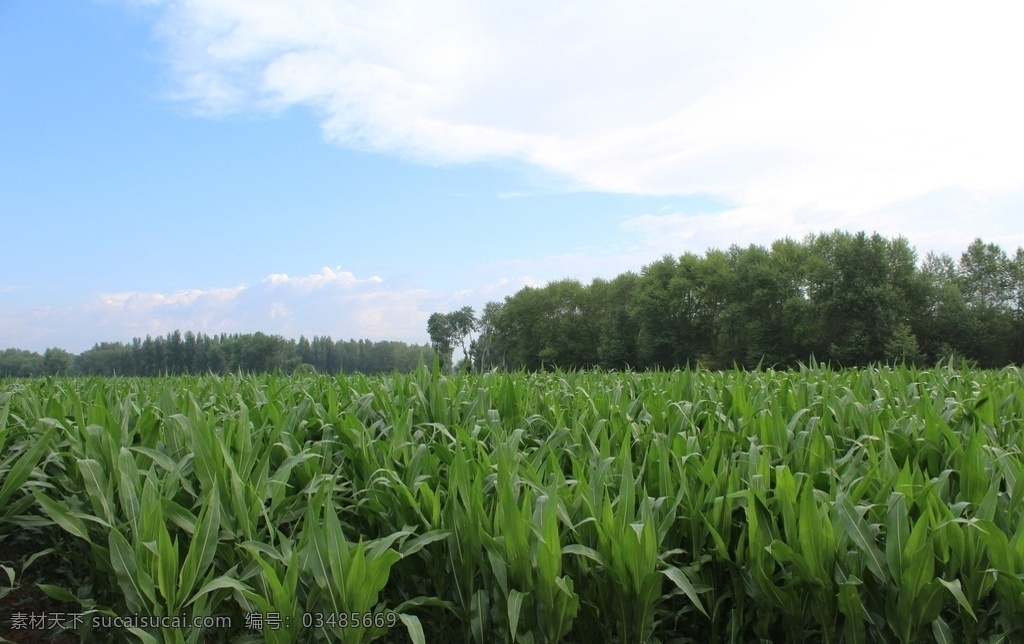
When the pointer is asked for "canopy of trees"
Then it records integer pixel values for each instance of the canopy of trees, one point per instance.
(849, 299)
(447, 329)
(185, 353)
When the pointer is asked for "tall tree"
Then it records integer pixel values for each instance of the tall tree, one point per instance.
(57, 361)
(659, 318)
(985, 276)
(612, 305)
(440, 330)
(488, 349)
(862, 291)
(462, 324)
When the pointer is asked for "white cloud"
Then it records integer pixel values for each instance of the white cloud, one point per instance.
(838, 108)
(142, 301)
(326, 277)
(945, 221)
(332, 302)
(669, 233)
(492, 290)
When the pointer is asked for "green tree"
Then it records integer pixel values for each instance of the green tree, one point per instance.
(448, 329)
(612, 305)
(861, 290)
(440, 330)
(1017, 295)
(946, 322)
(677, 307)
(57, 361)
(18, 363)
(985, 276)
(487, 350)
(570, 327)
(462, 324)
(761, 317)
(105, 359)
(659, 320)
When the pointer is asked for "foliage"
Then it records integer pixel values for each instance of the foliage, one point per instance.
(19, 363)
(879, 504)
(446, 329)
(849, 299)
(180, 353)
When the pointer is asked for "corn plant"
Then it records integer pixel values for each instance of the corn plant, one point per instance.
(875, 504)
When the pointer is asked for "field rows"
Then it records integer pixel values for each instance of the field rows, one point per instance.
(810, 505)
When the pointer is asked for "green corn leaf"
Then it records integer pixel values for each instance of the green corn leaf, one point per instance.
(973, 477)
(858, 531)
(71, 521)
(941, 631)
(786, 498)
(128, 488)
(143, 636)
(223, 582)
(5, 412)
(548, 550)
(413, 546)
(515, 605)
(203, 546)
(956, 590)
(567, 605)
(177, 515)
(159, 458)
(414, 628)
(920, 557)
(97, 486)
(786, 555)
(343, 565)
(479, 620)
(58, 593)
(584, 551)
(856, 616)
(22, 468)
(816, 538)
(682, 582)
(498, 569)
(134, 582)
(897, 533)
(997, 545)
(316, 560)
(378, 572)
(278, 482)
(167, 577)
(378, 547)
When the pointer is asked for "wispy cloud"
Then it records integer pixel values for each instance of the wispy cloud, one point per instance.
(141, 301)
(490, 291)
(326, 277)
(332, 302)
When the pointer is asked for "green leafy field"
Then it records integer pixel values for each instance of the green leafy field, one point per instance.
(810, 505)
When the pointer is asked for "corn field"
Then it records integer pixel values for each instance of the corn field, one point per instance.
(813, 505)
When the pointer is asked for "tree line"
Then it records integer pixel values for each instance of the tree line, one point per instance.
(843, 298)
(180, 353)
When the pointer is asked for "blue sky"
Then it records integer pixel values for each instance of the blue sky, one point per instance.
(333, 168)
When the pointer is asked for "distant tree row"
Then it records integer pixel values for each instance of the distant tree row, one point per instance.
(848, 299)
(188, 353)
